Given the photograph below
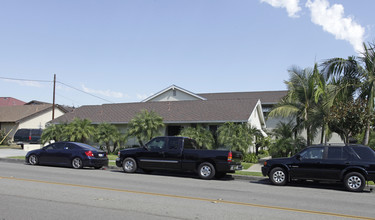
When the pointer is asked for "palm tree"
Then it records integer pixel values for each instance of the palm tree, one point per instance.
(285, 143)
(201, 135)
(299, 101)
(361, 79)
(107, 134)
(54, 132)
(145, 125)
(80, 130)
(236, 136)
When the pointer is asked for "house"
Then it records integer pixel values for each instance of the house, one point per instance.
(15, 117)
(9, 101)
(181, 108)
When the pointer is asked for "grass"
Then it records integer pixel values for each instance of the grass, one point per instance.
(246, 173)
(13, 146)
(17, 157)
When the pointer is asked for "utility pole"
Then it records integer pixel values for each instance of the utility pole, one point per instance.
(53, 104)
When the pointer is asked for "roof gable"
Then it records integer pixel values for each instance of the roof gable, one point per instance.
(173, 93)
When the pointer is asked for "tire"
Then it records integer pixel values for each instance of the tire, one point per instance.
(354, 182)
(33, 159)
(129, 165)
(77, 163)
(278, 176)
(206, 171)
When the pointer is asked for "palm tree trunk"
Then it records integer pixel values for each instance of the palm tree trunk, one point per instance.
(367, 134)
(322, 135)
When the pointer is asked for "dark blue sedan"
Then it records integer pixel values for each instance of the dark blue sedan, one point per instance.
(73, 154)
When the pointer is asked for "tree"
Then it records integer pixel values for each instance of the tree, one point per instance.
(236, 136)
(107, 134)
(145, 125)
(361, 78)
(348, 119)
(80, 130)
(56, 132)
(201, 135)
(285, 143)
(299, 101)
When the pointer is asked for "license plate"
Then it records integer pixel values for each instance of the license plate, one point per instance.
(101, 155)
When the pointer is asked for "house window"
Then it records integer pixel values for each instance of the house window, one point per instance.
(174, 92)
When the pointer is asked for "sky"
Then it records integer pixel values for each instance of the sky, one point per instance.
(121, 51)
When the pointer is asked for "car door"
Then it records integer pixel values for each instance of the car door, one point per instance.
(48, 154)
(308, 164)
(153, 156)
(335, 161)
(65, 154)
(173, 153)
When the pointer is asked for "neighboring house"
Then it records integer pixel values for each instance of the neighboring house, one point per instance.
(27, 116)
(9, 101)
(181, 108)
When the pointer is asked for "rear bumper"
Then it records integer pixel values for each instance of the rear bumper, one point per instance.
(228, 167)
(95, 162)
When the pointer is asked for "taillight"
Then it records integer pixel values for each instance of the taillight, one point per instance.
(89, 153)
(29, 138)
(265, 163)
(230, 156)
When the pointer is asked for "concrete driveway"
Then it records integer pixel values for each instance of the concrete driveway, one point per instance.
(11, 153)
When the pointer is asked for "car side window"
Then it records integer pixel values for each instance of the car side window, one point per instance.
(69, 147)
(189, 144)
(50, 147)
(337, 153)
(174, 143)
(313, 153)
(157, 144)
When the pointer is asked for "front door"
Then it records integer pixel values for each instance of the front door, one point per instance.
(308, 164)
(153, 157)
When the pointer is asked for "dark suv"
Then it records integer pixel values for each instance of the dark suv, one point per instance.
(27, 135)
(352, 164)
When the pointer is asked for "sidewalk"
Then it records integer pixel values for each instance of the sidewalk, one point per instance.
(11, 152)
(255, 168)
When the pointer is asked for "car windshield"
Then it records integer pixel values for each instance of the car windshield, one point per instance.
(86, 146)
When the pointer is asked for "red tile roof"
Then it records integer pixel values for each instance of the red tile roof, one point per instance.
(9, 101)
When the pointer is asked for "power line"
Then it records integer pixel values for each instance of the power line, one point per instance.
(47, 81)
(84, 92)
(28, 80)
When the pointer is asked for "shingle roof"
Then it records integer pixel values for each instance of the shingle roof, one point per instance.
(236, 110)
(266, 97)
(19, 112)
(9, 101)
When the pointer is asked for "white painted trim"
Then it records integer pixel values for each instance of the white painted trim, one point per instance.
(173, 87)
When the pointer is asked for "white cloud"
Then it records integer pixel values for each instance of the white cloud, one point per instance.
(25, 83)
(291, 6)
(107, 93)
(142, 96)
(332, 19)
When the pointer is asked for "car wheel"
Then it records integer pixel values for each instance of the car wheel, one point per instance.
(354, 182)
(77, 163)
(206, 171)
(129, 165)
(33, 159)
(278, 176)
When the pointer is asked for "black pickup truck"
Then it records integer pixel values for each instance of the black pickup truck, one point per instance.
(179, 154)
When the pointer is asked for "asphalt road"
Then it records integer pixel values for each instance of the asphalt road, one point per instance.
(42, 192)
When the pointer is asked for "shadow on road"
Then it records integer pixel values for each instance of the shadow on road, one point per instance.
(314, 185)
(190, 175)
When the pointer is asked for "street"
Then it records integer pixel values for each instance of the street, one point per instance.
(42, 192)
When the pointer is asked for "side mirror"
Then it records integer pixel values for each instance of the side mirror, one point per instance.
(298, 157)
